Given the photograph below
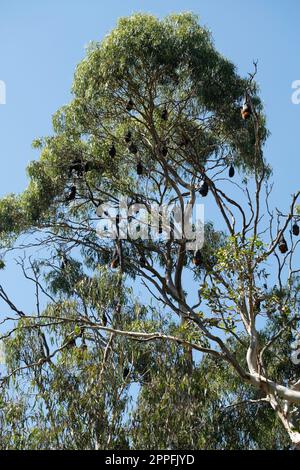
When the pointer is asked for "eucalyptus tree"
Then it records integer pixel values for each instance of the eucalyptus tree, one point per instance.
(158, 117)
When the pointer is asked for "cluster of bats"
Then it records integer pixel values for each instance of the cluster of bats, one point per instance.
(81, 167)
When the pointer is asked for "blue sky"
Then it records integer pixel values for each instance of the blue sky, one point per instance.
(41, 43)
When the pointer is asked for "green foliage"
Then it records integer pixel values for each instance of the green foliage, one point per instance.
(72, 381)
(153, 62)
(175, 408)
(208, 409)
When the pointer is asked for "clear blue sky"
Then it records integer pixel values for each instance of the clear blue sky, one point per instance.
(42, 41)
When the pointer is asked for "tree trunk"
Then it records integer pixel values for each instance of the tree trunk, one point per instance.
(295, 438)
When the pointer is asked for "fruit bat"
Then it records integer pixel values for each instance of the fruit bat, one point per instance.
(282, 245)
(112, 151)
(164, 150)
(257, 305)
(76, 166)
(139, 168)
(104, 319)
(165, 114)
(296, 229)
(128, 137)
(71, 195)
(125, 372)
(160, 224)
(203, 189)
(129, 106)
(246, 111)
(231, 171)
(133, 148)
(197, 258)
(115, 263)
